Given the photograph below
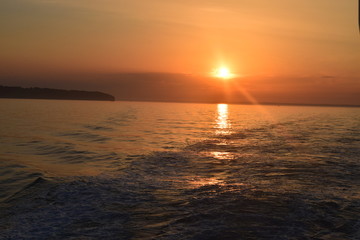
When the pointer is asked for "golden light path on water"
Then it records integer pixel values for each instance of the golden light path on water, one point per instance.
(223, 126)
(222, 121)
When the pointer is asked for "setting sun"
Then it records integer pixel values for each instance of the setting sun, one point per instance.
(223, 72)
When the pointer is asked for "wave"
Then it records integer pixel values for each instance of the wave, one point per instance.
(265, 183)
(123, 208)
(180, 195)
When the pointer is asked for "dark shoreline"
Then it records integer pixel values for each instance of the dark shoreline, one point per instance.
(50, 93)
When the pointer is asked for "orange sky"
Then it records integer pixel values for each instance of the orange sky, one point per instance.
(278, 46)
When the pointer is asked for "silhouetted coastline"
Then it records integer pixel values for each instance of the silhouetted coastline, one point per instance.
(49, 93)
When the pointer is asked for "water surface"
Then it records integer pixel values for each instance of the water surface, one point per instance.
(134, 170)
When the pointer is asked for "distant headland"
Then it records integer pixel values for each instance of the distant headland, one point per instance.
(49, 93)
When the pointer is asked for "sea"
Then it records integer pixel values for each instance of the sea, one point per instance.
(146, 170)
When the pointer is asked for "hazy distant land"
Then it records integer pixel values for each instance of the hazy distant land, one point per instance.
(49, 93)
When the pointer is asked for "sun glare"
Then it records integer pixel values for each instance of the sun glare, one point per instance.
(223, 72)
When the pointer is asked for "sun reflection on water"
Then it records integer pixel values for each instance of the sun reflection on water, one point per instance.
(223, 127)
(199, 182)
(222, 121)
(219, 156)
(222, 155)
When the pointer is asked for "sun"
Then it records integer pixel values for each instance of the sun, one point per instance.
(222, 72)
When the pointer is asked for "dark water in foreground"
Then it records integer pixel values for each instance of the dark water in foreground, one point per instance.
(94, 170)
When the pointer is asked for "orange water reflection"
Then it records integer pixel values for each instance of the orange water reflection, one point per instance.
(198, 182)
(220, 154)
(223, 127)
(223, 124)
(223, 155)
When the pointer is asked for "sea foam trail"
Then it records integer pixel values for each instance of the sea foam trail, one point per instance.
(176, 197)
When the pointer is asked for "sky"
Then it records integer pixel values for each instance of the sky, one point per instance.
(293, 51)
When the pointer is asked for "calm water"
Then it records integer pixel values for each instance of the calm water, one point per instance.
(132, 170)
